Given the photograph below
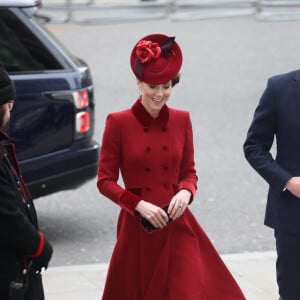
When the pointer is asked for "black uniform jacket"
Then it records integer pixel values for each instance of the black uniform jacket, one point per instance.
(19, 235)
(278, 115)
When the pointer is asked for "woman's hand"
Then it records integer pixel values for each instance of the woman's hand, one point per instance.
(154, 214)
(179, 203)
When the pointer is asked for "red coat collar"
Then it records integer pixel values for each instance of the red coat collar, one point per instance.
(146, 119)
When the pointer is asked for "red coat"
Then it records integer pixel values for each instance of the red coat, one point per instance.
(156, 159)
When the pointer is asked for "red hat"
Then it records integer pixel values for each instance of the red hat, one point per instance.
(156, 59)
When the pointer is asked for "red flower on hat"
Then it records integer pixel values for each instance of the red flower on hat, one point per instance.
(146, 51)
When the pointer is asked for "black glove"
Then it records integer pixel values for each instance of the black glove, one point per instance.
(40, 263)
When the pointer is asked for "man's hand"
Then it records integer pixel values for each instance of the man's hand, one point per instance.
(293, 185)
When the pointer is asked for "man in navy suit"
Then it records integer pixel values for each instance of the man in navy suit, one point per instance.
(278, 115)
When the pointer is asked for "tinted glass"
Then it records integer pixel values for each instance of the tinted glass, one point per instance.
(20, 50)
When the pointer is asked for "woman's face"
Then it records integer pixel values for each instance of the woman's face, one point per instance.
(154, 97)
(4, 114)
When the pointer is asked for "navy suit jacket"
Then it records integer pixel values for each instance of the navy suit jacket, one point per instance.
(277, 116)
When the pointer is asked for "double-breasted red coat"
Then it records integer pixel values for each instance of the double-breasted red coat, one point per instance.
(156, 160)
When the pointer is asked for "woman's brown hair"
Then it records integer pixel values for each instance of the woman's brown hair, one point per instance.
(176, 80)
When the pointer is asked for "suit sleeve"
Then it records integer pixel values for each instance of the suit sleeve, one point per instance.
(188, 178)
(16, 231)
(109, 166)
(260, 138)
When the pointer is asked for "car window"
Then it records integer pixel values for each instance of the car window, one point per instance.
(36, 18)
(20, 49)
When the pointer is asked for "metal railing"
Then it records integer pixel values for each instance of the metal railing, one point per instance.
(105, 11)
(189, 10)
(177, 10)
(278, 10)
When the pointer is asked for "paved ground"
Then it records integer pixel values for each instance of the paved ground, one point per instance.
(254, 272)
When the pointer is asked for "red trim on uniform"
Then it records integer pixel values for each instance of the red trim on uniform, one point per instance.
(40, 247)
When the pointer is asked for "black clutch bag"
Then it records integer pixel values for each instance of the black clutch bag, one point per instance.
(148, 226)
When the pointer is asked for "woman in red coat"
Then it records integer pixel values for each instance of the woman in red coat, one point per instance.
(161, 252)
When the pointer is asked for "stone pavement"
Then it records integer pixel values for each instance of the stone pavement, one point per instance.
(255, 273)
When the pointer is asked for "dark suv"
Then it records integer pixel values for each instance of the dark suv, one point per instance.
(53, 120)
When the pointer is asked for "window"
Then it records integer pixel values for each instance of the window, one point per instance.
(20, 49)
